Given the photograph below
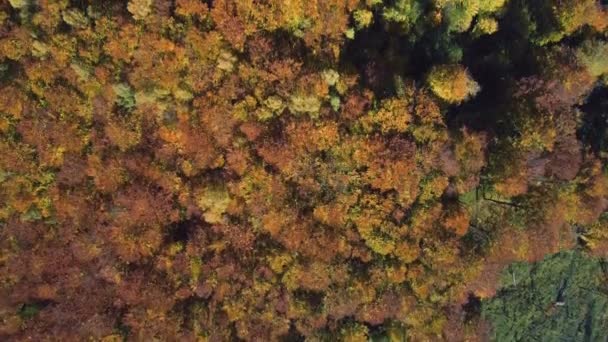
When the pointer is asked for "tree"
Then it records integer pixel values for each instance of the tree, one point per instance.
(299, 170)
(452, 83)
(140, 9)
(550, 299)
(592, 56)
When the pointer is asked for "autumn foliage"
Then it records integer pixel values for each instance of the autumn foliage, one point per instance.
(265, 170)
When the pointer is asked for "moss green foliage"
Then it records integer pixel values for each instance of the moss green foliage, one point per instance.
(39, 49)
(460, 14)
(308, 104)
(213, 201)
(492, 6)
(363, 18)
(593, 55)
(486, 26)
(563, 297)
(124, 95)
(29, 311)
(19, 3)
(452, 83)
(552, 20)
(405, 13)
(75, 18)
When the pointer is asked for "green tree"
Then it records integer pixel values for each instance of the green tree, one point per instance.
(562, 297)
(452, 83)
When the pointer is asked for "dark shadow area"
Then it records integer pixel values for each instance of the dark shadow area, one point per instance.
(593, 132)
(472, 308)
(180, 232)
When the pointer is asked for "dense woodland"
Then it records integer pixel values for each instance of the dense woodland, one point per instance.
(290, 170)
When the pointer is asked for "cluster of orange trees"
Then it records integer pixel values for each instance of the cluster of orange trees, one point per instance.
(286, 170)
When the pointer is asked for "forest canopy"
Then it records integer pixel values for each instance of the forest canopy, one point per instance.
(319, 170)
